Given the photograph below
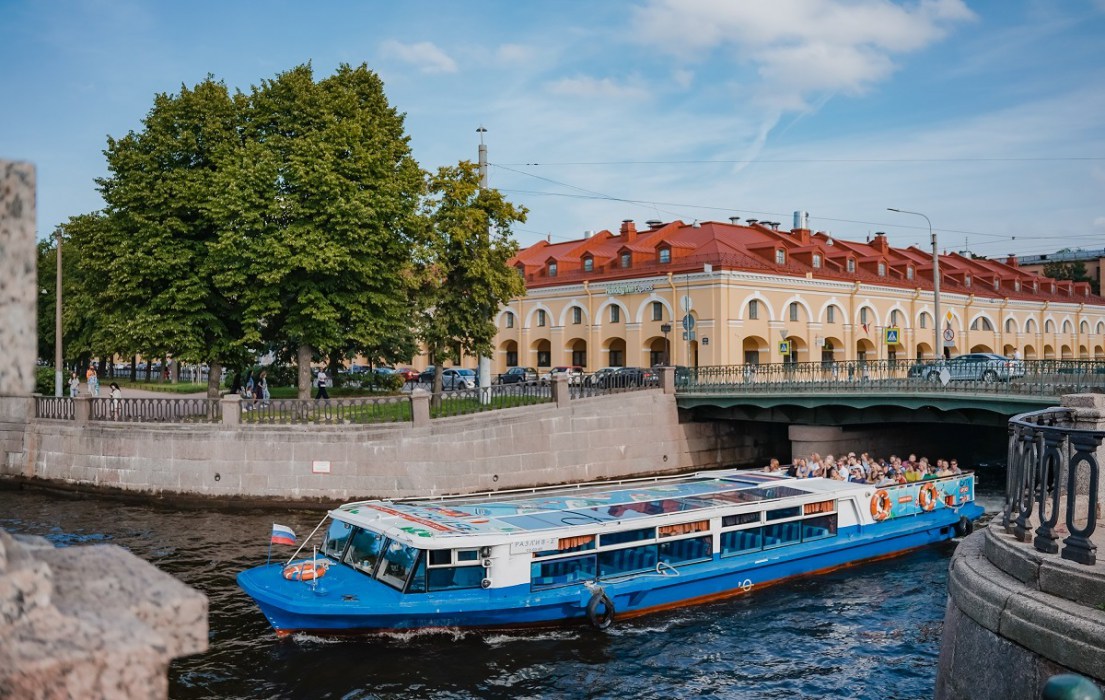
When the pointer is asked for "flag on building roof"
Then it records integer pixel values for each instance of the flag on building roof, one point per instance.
(282, 534)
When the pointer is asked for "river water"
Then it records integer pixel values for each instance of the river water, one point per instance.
(871, 631)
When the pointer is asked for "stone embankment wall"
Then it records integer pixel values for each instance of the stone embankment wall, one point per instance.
(606, 437)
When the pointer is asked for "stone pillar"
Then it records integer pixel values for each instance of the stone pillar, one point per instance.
(667, 379)
(231, 405)
(420, 407)
(82, 409)
(18, 279)
(560, 391)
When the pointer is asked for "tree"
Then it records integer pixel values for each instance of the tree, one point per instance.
(1074, 270)
(148, 257)
(318, 215)
(466, 278)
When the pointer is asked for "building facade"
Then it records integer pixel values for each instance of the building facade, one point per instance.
(727, 293)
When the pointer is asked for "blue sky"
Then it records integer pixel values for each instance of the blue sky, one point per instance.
(988, 116)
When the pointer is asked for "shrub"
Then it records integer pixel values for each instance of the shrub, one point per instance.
(44, 381)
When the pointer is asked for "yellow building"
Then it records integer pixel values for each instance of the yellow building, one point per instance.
(723, 293)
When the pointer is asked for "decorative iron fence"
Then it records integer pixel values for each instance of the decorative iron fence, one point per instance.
(150, 410)
(496, 396)
(1053, 472)
(384, 409)
(600, 384)
(58, 407)
(1021, 377)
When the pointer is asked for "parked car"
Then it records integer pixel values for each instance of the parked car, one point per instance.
(975, 366)
(519, 375)
(630, 377)
(599, 376)
(453, 379)
(427, 375)
(574, 372)
(409, 375)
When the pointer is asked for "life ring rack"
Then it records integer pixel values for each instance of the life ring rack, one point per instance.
(306, 570)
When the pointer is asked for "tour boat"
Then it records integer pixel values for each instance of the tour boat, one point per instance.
(596, 552)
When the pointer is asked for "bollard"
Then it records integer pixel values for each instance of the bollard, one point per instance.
(232, 409)
(1071, 686)
(420, 408)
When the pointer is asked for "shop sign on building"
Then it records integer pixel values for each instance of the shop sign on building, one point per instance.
(616, 289)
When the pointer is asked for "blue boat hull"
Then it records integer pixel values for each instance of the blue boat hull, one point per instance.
(346, 601)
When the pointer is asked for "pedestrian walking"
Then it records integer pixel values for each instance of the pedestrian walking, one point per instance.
(74, 385)
(263, 388)
(93, 380)
(323, 382)
(116, 401)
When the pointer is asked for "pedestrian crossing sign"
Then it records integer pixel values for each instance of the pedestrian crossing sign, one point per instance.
(893, 335)
(784, 347)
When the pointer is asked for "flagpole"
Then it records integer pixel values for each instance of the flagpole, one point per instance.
(308, 538)
(269, 560)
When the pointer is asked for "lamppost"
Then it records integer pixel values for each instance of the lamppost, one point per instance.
(665, 328)
(937, 345)
(57, 324)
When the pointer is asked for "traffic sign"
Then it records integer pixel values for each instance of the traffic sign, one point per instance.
(949, 334)
(689, 335)
(893, 335)
(688, 322)
(784, 347)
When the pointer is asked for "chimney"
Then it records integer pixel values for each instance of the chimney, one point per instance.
(1011, 261)
(802, 219)
(880, 243)
(628, 230)
(588, 234)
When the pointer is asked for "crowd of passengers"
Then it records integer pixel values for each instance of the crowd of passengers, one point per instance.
(865, 470)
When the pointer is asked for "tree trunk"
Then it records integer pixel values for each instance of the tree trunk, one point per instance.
(134, 368)
(303, 361)
(214, 379)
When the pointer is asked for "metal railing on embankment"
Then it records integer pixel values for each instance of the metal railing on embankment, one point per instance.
(496, 396)
(337, 411)
(1052, 474)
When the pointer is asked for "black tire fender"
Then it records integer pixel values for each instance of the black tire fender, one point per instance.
(964, 527)
(600, 610)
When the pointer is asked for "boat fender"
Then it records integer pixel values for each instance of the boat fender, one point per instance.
(486, 563)
(926, 497)
(600, 610)
(486, 583)
(880, 505)
(964, 527)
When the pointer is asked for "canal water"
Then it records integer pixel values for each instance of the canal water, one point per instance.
(871, 631)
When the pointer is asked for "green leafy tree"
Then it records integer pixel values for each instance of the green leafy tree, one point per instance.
(466, 279)
(318, 215)
(148, 257)
(1074, 270)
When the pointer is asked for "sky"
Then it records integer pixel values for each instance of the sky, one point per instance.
(987, 116)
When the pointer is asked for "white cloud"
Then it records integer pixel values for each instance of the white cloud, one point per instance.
(424, 55)
(684, 78)
(513, 54)
(800, 46)
(602, 88)
(1099, 222)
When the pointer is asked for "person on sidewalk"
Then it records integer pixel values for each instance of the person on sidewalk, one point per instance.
(323, 382)
(74, 385)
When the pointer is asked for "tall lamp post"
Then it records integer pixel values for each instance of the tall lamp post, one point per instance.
(58, 378)
(937, 345)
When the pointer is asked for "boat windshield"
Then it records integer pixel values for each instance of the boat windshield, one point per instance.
(337, 536)
(399, 559)
(364, 550)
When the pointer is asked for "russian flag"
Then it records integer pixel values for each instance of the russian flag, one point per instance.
(282, 534)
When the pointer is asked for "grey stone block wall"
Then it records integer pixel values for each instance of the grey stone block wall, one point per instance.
(18, 279)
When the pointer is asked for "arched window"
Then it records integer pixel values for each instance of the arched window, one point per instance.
(924, 320)
(982, 324)
(1068, 327)
(863, 315)
(657, 311)
(615, 313)
(1010, 326)
(793, 311)
(577, 315)
(508, 320)
(1049, 326)
(540, 317)
(830, 314)
(895, 318)
(1084, 328)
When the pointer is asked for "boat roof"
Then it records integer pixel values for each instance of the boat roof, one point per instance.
(590, 504)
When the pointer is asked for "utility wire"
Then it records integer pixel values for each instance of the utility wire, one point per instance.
(810, 160)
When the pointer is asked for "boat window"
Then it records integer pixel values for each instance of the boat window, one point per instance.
(567, 545)
(646, 533)
(364, 550)
(623, 561)
(399, 559)
(782, 533)
(441, 557)
(740, 519)
(417, 584)
(452, 578)
(562, 572)
(780, 513)
(468, 555)
(819, 507)
(819, 528)
(337, 536)
(677, 552)
(684, 528)
(740, 541)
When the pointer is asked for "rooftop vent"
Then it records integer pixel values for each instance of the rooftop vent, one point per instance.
(801, 219)
(588, 234)
(753, 222)
(654, 223)
(734, 219)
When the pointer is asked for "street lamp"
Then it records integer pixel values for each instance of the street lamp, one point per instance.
(57, 324)
(936, 347)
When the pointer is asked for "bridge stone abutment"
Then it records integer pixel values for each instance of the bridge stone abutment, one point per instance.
(1017, 616)
(879, 441)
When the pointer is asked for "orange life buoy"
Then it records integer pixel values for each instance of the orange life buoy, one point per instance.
(926, 497)
(307, 570)
(880, 505)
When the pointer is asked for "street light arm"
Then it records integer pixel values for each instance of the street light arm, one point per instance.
(935, 277)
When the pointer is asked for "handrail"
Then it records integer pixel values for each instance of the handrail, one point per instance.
(1052, 467)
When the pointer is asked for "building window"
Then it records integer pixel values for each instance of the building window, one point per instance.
(851, 265)
(909, 272)
(882, 269)
(816, 261)
(588, 264)
(997, 284)
(1010, 326)
(830, 314)
(1049, 326)
(895, 317)
(982, 324)
(511, 358)
(552, 269)
(577, 315)
(616, 359)
(924, 321)
(615, 314)
(544, 358)
(1016, 285)
(967, 280)
(793, 311)
(863, 315)
(509, 320)
(780, 256)
(753, 310)
(625, 259)
(665, 256)
(657, 311)
(540, 317)
(1084, 328)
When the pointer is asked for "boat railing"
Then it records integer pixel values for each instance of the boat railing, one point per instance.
(1052, 484)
